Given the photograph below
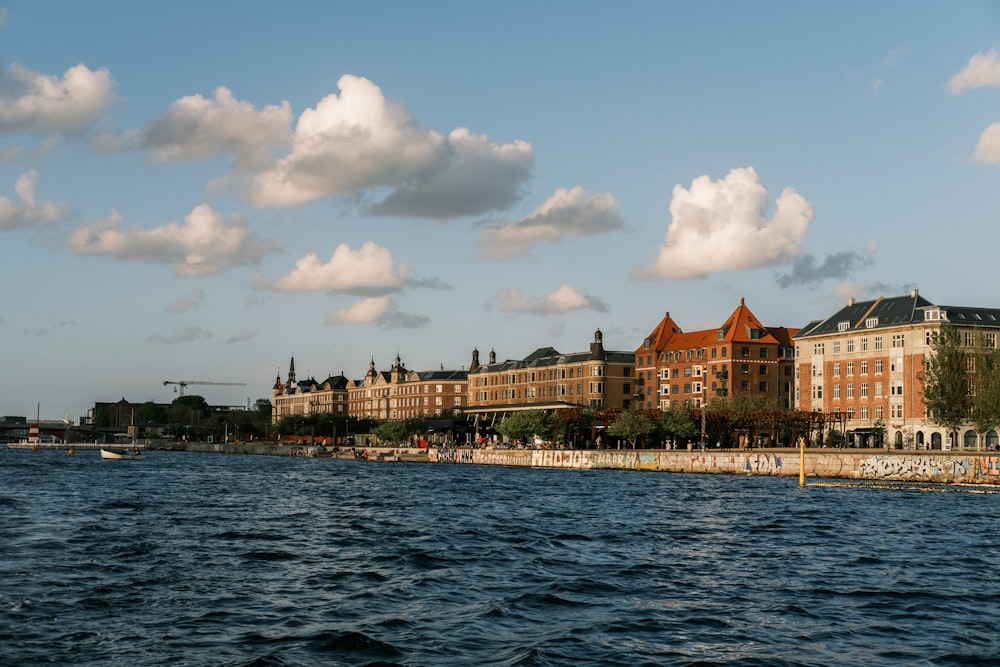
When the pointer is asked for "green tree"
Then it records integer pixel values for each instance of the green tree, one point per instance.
(391, 431)
(678, 423)
(986, 403)
(946, 383)
(523, 425)
(632, 425)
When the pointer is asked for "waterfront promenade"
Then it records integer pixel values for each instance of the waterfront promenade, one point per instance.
(852, 464)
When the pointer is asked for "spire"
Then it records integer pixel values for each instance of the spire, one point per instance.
(597, 347)
(291, 371)
(475, 359)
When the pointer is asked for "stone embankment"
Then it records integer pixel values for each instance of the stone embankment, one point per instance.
(875, 465)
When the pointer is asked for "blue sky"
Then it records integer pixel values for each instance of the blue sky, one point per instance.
(198, 191)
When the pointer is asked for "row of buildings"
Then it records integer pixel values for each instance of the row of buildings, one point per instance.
(860, 366)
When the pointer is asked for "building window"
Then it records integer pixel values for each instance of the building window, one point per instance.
(843, 326)
(864, 368)
(871, 323)
(818, 348)
(763, 353)
(762, 370)
(864, 344)
(897, 388)
(864, 412)
(878, 342)
(763, 385)
(836, 392)
(898, 340)
(850, 368)
(836, 347)
(836, 370)
(864, 389)
(850, 345)
(878, 390)
(878, 367)
(817, 391)
(850, 390)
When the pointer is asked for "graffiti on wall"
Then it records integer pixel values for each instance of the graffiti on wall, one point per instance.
(763, 464)
(911, 467)
(501, 458)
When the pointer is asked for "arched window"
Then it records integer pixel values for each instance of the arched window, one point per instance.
(935, 441)
(920, 439)
(992, 441)
(899, 439)
(970, 440)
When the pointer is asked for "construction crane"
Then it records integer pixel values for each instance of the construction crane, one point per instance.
(184, 383)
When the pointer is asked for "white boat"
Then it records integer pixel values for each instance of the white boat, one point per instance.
(125, 454)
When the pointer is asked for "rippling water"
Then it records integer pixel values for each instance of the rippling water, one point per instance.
(196, 559)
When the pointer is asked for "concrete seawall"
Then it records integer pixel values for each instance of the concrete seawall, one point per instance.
(936, 467)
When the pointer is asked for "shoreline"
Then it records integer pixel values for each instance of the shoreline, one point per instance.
(952, 467)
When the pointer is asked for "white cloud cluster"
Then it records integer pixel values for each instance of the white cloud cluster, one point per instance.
(204, 244)
(563, 300)
(38, 104)
(381, 311)
(721, 226)
(196, 128)
(25, 210)
(359, 141)
(982, 71)
(367, 270)
(573, 213)
(182, 335)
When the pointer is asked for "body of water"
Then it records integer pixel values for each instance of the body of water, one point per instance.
(196, 559)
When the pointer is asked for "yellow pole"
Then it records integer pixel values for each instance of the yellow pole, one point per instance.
(802, 461)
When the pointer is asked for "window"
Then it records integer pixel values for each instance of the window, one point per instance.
(864, 412)
(745, 351)
(897, 388)
(596, 371)
(864, 368)
(878, 342)
(878, 367)
(687, 387)
(878, 390)
(896, 411)
(763, 353)
(864, 389)
(745, 369)
(818, 348)
(850, 345)
(871, 323)
(990, 340)
(850, 390)
(878, 412)
(898, 340)
(969, 338)
(864, 344)
(762, 370)
(836, 370)
(817, 391)
(763, 385)
(843, 326)
(836, 392)
(836, 347)
(850, 368)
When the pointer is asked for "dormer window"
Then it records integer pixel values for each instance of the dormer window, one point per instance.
(720, 334)
(843, 326)
(871, 323)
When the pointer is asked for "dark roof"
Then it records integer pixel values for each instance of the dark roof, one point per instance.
(546, 356)
(882, 313)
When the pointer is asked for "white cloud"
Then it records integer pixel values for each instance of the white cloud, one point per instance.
(37, 104)
(240, 337)
(205, 243)
(988, 148)
(359, 141)
(196, 128)
(25, 210)
(381, 311)
(983, 70)
(572, 213)
(368, 270)
(721, 226)
(192, 299)
(182, 335)
(563, 300)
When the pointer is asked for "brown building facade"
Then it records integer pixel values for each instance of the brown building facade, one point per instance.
(742, 356)
(548, 379)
